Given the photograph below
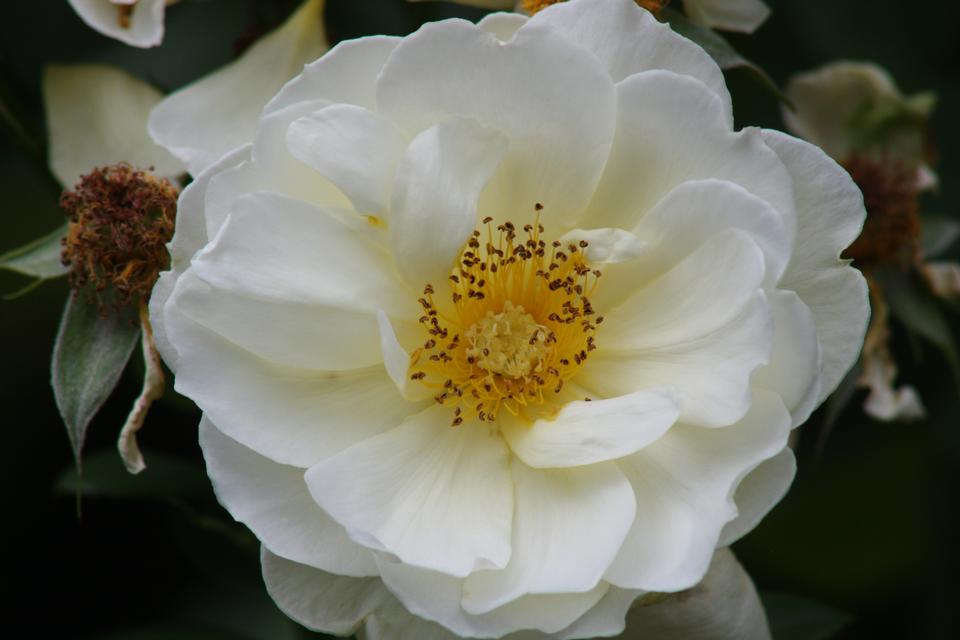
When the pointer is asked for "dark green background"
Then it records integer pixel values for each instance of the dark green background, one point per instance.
(869, 528)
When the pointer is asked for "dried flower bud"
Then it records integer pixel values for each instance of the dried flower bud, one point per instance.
(120, 221)
(891, 233)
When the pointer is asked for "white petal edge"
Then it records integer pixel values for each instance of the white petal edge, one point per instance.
(685, 487)
(291, 416)
(830, 215)
(673, 127)
(273, 501)
(396, 361)
(504, 25)
(758, 493)
(568, 527)
(585, 433)
(346, 74)
(628, 40)
(319, 600)
(283, 262)
(724, 606)
(430, 495)
(436, 596)
(354, 148)
(193, 124)
(550, 98)
(794, 368)
(188, 238)
(435, 196)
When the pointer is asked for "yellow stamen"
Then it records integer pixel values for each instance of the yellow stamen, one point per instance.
(519, 324)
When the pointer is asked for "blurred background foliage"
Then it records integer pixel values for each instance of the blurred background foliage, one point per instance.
(865, 545)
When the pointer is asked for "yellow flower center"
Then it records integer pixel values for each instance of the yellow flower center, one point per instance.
(519, 324)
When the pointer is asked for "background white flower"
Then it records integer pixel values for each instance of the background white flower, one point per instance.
(138, 23)
(291, 308)
(97, 116)
(222, 108)
(728, 15)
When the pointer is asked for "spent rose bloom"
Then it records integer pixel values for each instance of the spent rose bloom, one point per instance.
(856, 113)
(501, 327)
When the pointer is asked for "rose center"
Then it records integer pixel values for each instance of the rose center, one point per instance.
(509, 343)
(517, 325)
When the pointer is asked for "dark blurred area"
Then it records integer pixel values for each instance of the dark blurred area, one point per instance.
(868, 535)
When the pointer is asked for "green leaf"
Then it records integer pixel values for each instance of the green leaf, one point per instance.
(720, 50)
(89, 355)
(939, 232)
(40, 258)
(797, 618)
(105, 476)
(915, 306)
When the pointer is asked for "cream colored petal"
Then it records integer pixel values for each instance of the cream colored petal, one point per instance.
(96, 116)
(273, 168)
(628, 40)
(584, 433)
(568, 528)
(756, 494)
(943, 278)
(292, 416)
(204, 120)
(318, 600)
(435, 196)
(724, 606)
(272, 499)
(794, 368)
(347, 74)
(830, 215)
(672, 129)
(145, 27)
(436, 596)
(354, 148)
(431, 495)
(551, 99)
(827, 101)
(685, 485)
(502, 25)
(190, 236)
(728, 15)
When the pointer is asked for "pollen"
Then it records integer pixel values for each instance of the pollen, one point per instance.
(509, 343)
(516, 323)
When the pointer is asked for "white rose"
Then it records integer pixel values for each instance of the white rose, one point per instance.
(291, 317)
